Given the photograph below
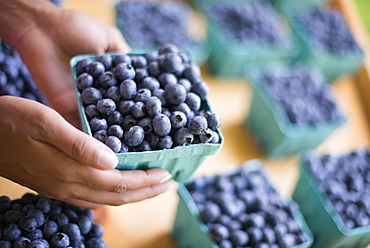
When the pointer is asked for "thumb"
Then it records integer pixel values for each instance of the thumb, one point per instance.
(79, 145)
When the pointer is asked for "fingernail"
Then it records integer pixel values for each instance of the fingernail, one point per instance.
(169, 188)
(107, 160)
(166, 178)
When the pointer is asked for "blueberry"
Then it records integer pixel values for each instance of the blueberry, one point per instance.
(198, 124)
(115, 118)
(142, 95)
(218, 232)
(72, 231)
(101, 135)
(85, 224)
(128, 121)
(178, 119)
(91, 95)
(35, 234)
(183, 137)
(183, 107)
(161, 95)
(225, 244)
(38, 243)
(11, 232)
(186, 83)
(60, 240)
(167, 78)
(164, 142)
(141, 74)
(153, 106)
(106, 60)
(95, 69)
(154, 69)
(38, 215)
(146, 124)
(255, 234)
(96, 243)
(121, 58)
(27, 223)
(150, 83)
(287, 240)
(27, 198)
(175, 93)
(213, 121)
(97, 124)
(134, 136)
(171, 62)
(107, 79)
(128, 89)
(168, 48)
(210, 212)
(152, 56)
(21, 242)
(115, 130)
(61, 220)
(138, 110)
(97, 231)
(143, 147)
(5, 204)
(84, 81)
(124, 107)
(50, 228)
(201, 88)
(161, 125)
(124, 71)
(152, 139)
(113, 143)
(91, 111)
(239, 238)
(192, 73)
(81, 65)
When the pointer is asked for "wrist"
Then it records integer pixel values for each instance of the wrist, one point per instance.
(18, 17)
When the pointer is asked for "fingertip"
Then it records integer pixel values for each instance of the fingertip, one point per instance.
(107, 159)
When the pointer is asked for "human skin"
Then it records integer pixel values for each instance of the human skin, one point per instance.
(41, 147)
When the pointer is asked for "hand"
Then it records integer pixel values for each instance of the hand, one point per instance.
(47, 44)
(41, 150)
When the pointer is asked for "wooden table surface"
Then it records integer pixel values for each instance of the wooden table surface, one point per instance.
(149, 223)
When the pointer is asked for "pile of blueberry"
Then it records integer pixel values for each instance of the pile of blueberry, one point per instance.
(34, 221)
(244, 210)
(146, 102)
(152, 24)
(248, 21)
(345, 182)
(302, 94)
(15, 79)
(328, 30)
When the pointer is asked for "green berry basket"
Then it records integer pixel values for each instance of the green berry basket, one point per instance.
(180, 161)
(190, 231)
(229, 56)
(333, 65)
(199, 49)
(322, 218)
(270, 125)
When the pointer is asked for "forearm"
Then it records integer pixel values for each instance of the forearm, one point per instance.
(18, 17)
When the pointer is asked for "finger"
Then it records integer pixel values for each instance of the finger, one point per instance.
(75, 143)
(116, 42)
(85, 195)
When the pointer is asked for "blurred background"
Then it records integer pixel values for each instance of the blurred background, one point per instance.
(241, 51)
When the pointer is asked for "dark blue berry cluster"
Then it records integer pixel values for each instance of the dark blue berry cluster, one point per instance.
(328, 30)
(146, 102)
(34, 221)
(152, 24)
(303, 95)
(345, 181)
(244, 210)
(248, 21)
(15, 79)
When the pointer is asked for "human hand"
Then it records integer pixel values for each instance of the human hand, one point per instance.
(41, 150)
(47, 42)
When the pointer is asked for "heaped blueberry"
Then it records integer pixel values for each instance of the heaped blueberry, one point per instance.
(128, 89)
(124, 71)
(161, 125)
(134, 136)
(95, 69)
